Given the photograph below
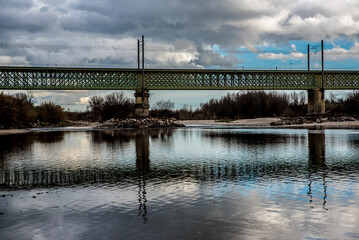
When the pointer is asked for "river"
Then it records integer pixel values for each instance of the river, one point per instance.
(190, 183)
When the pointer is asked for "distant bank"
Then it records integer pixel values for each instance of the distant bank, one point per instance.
(241, 123)
(266, 123)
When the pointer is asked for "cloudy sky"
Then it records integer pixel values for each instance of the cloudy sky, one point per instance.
(178, 34)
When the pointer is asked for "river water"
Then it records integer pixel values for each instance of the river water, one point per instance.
(192, 183)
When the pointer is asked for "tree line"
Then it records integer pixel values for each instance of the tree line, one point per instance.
(19, 110)
(243, 104)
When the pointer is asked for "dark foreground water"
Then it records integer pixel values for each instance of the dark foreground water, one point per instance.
(180, 184)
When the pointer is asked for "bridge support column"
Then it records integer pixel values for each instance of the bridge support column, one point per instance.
(316, 101)
(141, 105)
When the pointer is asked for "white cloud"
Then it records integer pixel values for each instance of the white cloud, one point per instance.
(341, 54)
(282, 56)
(335, 54)
(83, 101)
(229, 24)
(176, 32)
(13, 60)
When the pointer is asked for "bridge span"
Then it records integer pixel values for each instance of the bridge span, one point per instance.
(53, 78)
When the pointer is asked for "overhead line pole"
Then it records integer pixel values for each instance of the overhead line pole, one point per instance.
(143, 67)
(308, 58)
(322, 56)
(138, 54)
(322, 69)
(141, 93)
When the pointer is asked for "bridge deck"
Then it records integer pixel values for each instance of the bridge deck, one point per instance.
(165, 79)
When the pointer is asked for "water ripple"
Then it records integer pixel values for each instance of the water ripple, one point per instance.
(180, 184)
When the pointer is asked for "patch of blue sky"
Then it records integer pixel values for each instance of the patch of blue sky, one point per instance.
(285, 61)
(285, 49)
(342, 42)
(217, 48)
(349, 64)
(252, 61)
(302, 46)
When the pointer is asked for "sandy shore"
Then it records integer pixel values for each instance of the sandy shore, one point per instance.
(12, 131)
(265, 123)
(240, 122)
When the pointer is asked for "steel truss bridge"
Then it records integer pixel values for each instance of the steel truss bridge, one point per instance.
(43, 78)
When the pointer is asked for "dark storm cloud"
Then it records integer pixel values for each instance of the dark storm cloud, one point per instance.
(178, 33)
(21, 4)
(95, 23)
(229, 24)
(107, 61)
(159, 19)
(24, 20)
(211, 58)
(44, 9)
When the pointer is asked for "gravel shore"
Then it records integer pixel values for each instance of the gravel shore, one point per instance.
(12, 131)
(266, 123)
(241, 123)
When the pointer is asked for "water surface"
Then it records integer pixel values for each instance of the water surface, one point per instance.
(193, 183)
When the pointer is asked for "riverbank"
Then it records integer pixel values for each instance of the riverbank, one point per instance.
(266, 123)
(13, 131)
(109, 124)
(241, 123)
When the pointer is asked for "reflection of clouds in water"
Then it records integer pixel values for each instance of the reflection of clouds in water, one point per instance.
(194, 154)
(260, 145)
(341, 145)
(249, 213)
(222, 185)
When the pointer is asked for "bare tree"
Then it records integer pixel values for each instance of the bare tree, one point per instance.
(113, 105)
(332, 98)
(302, 98)
(165, 105)
(95, 106)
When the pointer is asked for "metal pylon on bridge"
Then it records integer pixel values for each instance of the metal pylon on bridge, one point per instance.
(141, 94)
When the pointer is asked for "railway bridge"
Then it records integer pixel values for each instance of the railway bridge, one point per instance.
(54, 78)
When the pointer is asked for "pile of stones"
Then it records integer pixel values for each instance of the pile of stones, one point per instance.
(311, 119)
(139, 123)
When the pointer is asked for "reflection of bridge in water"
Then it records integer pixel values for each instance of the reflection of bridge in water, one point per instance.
(316, 145)
(45, 177)
(141, 173)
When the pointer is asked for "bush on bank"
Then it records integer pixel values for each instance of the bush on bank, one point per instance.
(50, 113)
(113, 105)
(19, 111)
(243, 104)
(248, 104)
(351, 104)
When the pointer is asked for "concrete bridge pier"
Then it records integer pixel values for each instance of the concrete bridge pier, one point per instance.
(316, 101)
(141, 104)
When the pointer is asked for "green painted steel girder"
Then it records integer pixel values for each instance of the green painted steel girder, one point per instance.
(176, 79)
